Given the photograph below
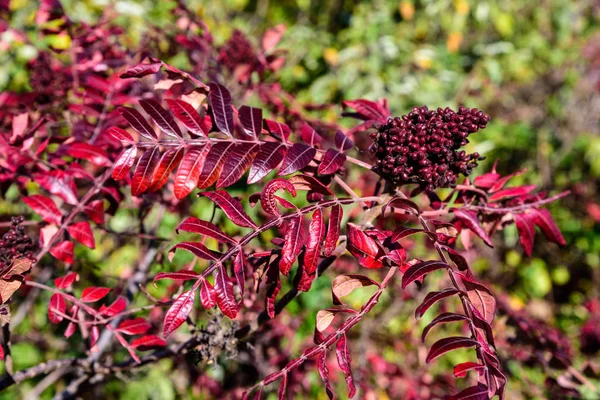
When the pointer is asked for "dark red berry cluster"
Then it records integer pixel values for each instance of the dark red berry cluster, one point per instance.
(238, 51)
(423, 146)
(15, 244)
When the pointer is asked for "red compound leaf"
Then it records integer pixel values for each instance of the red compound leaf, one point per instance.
(268, 200)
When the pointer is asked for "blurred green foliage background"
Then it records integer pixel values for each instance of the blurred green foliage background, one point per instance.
(534, 66)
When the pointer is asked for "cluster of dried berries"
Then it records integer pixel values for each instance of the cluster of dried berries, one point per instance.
(15, 244)
(238, 51)
(423, 146)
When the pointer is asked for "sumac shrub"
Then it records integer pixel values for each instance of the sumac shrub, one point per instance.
(108, 131)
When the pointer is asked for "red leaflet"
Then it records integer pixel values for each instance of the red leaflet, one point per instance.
(401, 232)
(208, 296)
(363, 247)
(460, 370)
(136, 326)
(124, 163)
(292, 246)
(442, 319)
(178, 312)
(188, 116)
(333, 229)
(161, 117)
(168, 162)
(94, 335)
(196, 248)
(499, 184)
(511, 192)
(141, 70)
(213, 163)
(94, 154)
(231, 207)
(138, 122)
(278, 129)
(267, 159)
(44, 207)
(421, 269)
(120, 134)
(237, 163)
(65, 281)
(480, 296)
(148, 343)
(82, 232)
(431, 299)
(224, 293)
(58, 183)
(343, 285)
(368, 110)
(251, 119)
(316, 233)
(310, 136)
(95, 211)
(401, 202)
(92, 294)
(188, 173)
(297, 157)
(144, 170)
(324, 372)
(544, 220)
(332, 161)
(220, 101)
(115, 308)
(525, 223)
(486, 181)
(273, 287)
(181, 275)
(282, 392)
(64, 251)
(473, 393)
(344, 361)
(445, 345)
(56, 308)
(195, 225)
(268, 200)
(343, 142)
(239, 265)
(471, 220)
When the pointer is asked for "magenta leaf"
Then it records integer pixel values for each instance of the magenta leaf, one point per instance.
(292, 246)
(511, 192)
(332, 161)
(138, 122)
(232, 208)
(144, 171)
(136, 326)
(124, 163)
(267, 159)
(442, 319)
(316, 233)
(214, 162)
(197, 249)
(460, 370)
(278, 129)
(115, 308)
(92, 294)
(168, 162)
(333, 229)
(66, 281)
(237, 163)
(310, 136)
(120, 134)
(471, 220)
(188, 116)
(56, 308)
(148, 342)
(195, 225)
(368, 110)
(480, 296)
(251, 119)
(208, 296)
(220, 101)
(178, 312)
(181, 275)
(431, 299)
(324, 372)
(224, 293)
(141, 70)
(445, 345)
(93, 154)
(161, 117)
(44, 207)
(421, 269)
(525, 223)
(343, 142)
(82, 232)
(544, 220)
(188, 173)
(363, 247)
(297, 157)
(344, 361)
(64, 251)
(268, 200)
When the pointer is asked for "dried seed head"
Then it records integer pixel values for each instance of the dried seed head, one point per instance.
(423, 146)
